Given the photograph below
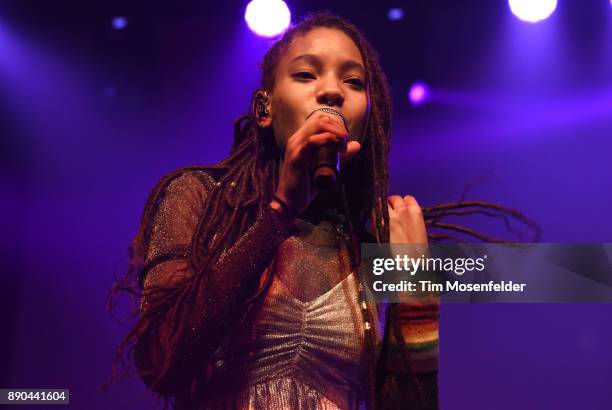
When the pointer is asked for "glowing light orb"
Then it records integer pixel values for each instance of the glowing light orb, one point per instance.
(267, 18)
(532, 11)
(119, 22)
(396, 14)
(418, 94)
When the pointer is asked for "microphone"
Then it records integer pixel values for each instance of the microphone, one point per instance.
(327, 159)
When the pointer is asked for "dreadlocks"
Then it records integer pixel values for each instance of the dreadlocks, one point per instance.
(245, 183)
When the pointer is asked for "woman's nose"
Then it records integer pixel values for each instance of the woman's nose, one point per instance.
(330, 94)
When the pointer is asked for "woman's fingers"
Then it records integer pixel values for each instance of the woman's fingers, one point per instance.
(325, 123)
(406, 203)
(351, 149)
(318, 130)
(395, 202)
(412, 205)
(409, 200)
(406, 217)
(315, 141)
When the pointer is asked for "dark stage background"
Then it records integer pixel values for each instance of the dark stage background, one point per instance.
(91, 117)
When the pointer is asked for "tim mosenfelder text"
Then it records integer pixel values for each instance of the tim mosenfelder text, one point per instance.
(423, 264)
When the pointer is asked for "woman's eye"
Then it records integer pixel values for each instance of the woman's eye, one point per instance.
(304, 75)
(356, 82)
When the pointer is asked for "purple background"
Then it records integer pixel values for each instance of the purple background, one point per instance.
(90, 118)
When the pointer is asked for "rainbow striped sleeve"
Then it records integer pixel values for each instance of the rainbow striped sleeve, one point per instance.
(418, 321)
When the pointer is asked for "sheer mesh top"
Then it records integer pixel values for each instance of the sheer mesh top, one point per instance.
(302, 345)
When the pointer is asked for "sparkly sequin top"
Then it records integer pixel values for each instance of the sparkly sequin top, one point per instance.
(302, 345)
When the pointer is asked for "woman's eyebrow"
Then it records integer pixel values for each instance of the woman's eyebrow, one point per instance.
(316, 61)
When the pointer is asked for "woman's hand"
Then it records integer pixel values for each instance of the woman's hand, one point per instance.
(407, 226)
(319, 129)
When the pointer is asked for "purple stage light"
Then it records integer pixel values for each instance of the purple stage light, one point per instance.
(119, 22)
(532, 11)
(418, 93)
(395, 14)
(267, 18)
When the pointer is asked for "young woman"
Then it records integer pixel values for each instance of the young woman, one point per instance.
(251, 294)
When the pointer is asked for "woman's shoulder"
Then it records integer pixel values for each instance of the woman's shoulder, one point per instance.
(188, 185)
(192, 177)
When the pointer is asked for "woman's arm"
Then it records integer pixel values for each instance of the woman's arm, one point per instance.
(415, 364)
(219, 292)
(413, 340)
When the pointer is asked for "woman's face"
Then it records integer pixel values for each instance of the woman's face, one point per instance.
(322, 68)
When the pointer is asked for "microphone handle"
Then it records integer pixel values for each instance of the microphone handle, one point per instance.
(327, 166)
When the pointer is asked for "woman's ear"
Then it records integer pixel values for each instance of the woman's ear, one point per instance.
(262, 108)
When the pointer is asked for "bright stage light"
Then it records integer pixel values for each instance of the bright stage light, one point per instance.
(532, 11)
(119, 22)
(418, 93)
(267, 18)
(396, 14)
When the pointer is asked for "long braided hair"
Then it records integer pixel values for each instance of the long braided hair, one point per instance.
(246, 181)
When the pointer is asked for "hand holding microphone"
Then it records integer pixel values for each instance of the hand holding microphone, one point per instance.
(314, 151)
(327, 161)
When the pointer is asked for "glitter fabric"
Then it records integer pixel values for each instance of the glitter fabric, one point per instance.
(301, 346)
(291, 354)
(220, 291)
